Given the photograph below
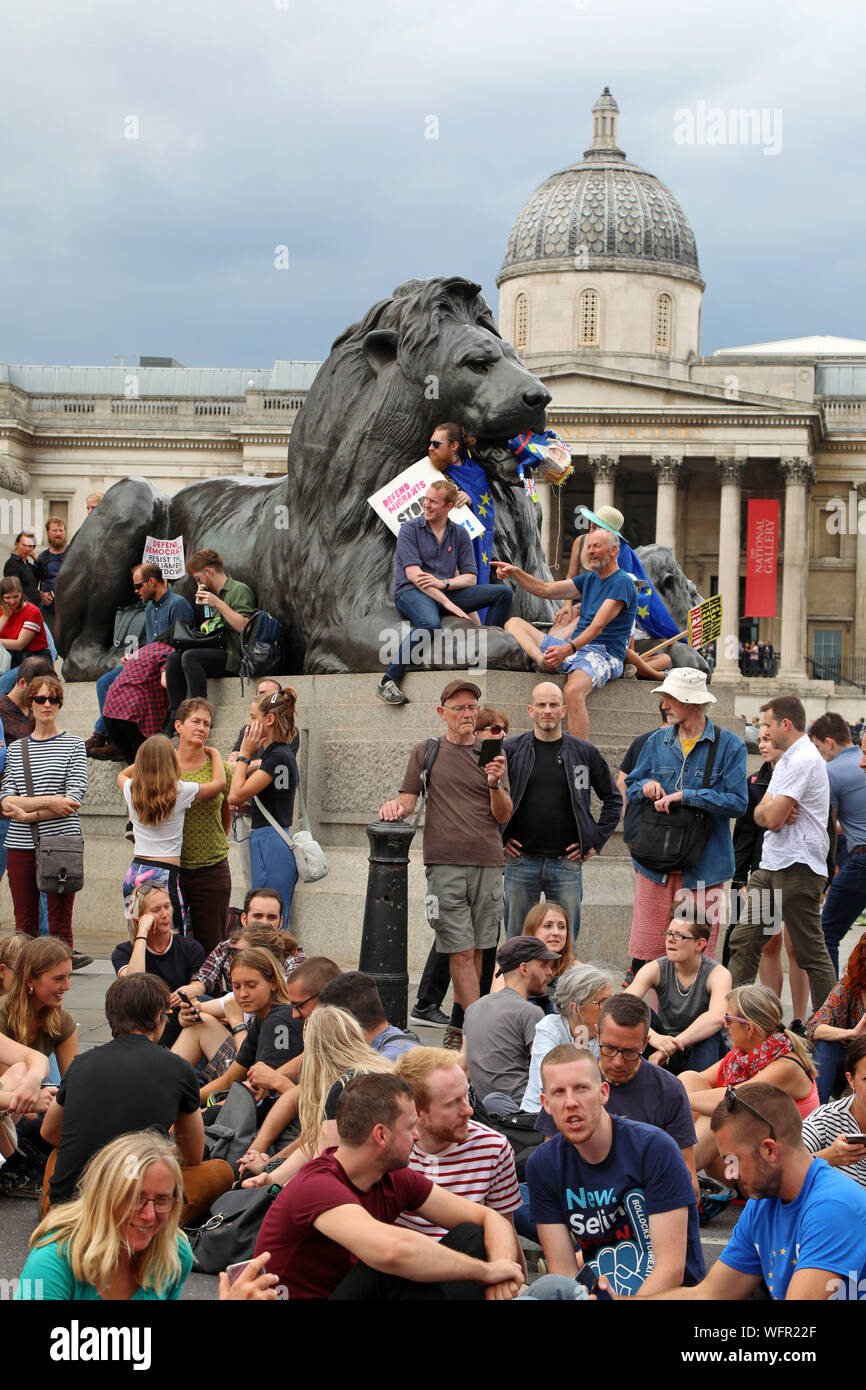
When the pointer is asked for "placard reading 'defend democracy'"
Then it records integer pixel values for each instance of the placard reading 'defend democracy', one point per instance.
(705, 622)
(167, 554)
(401, 499)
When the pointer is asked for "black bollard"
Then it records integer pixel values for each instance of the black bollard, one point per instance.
(386, 920)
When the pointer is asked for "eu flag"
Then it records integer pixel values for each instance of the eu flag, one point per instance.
(652, 615)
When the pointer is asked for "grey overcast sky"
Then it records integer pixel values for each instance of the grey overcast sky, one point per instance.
(268, 123)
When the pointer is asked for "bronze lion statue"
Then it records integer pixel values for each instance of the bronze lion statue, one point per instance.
(314, 553)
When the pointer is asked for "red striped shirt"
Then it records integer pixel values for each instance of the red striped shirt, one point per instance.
(479, 1168)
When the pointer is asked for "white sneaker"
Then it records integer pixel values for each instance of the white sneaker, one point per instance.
(390, 692)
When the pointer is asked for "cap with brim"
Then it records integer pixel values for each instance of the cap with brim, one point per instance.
(520, 948)
(453, 686)
(686, 685)
(608, 518)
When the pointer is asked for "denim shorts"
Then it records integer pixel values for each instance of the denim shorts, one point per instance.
(598, 664)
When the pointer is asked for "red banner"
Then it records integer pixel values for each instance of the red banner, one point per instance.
(762, 558)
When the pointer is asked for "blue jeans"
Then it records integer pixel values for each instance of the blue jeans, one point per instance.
(523, 1223)
(272, 865)
(530, 875)
(845, 901)
(829, 1058)
(103, 685)
(10, 678)
(425, 615)
(43, 904)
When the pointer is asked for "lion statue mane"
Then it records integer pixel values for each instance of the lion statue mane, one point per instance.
(314, 553)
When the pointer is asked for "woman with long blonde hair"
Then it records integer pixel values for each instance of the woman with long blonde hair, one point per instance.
(157, 801)
(335, 1050)
(119, 1239)
(10, 950)
(271, 789)
(762, 1047)
(154, 948)
(31, 1011)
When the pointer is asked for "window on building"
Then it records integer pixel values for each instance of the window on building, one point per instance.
(829, 518)
(588, 326)
(663, 324)
(521, 322)
(827, 652)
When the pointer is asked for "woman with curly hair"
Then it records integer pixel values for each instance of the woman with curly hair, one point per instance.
(335, 1050)
(840, 1021)
(157, 801)
(119, 1239)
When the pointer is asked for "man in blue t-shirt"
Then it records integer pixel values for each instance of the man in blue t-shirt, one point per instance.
(595, 651)
(803, 1230)
(617, 1189)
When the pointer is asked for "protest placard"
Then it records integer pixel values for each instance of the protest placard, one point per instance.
(401, 499)
(167, 554)
(705, 622)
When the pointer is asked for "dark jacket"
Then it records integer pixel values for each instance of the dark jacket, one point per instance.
(585, 768)
(31, 574)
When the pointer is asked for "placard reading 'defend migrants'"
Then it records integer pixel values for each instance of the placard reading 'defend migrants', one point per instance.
(167, 554)
(401, 499)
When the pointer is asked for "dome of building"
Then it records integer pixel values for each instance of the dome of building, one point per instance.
(604, 213)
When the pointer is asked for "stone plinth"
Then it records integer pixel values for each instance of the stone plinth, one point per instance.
(353, 753)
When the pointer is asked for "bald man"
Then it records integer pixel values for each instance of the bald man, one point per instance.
(551, 830)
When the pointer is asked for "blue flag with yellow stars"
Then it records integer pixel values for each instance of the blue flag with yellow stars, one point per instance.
(472, 480)
(652, 615)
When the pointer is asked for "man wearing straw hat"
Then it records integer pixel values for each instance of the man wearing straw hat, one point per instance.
(595, 652)
(670, 770)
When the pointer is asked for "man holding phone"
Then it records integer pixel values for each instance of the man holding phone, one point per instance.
(463, 858)
(551, 832)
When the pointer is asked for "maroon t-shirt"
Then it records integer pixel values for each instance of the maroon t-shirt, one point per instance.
(307, 1263)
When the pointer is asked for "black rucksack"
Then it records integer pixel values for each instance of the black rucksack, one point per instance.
(262, 649)
(519, 1129)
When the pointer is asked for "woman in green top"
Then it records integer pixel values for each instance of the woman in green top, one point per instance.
(205, 880)
(119, 1239)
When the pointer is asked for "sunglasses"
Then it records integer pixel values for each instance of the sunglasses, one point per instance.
(47, 700)
(732, 1099)
(494, 729)
(734, 1018)
(437, 444)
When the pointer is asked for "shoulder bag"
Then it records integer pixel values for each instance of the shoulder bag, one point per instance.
(59, 858)
(186, 639)
(670, 841)
(309, 855)
(230, 1232)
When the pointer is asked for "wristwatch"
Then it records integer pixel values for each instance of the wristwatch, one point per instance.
(447, 586)
(494, 786)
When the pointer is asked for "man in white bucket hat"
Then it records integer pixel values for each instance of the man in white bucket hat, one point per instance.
(670, 770)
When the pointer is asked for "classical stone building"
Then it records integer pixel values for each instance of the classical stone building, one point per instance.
(600, 291)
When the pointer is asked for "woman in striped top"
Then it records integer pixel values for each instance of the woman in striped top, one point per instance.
(833, 1130)
(58, 765)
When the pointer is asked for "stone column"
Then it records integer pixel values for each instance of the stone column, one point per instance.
(799, 474)
(667, 470)
(604, 468)
(860, 595)
(730, 472)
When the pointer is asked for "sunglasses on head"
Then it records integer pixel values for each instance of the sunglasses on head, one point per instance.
(732, 1099)
(46, 700)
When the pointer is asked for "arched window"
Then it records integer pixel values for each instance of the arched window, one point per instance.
(521, 323)
(663, 323)
(588, 325)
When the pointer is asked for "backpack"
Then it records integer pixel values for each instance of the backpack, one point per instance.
(519, 1129)
(431, 748)
(262, 650)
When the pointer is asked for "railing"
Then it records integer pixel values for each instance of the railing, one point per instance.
(283, 402)
(142, 405)
(219, 408)
(845, 670)
(64, 405)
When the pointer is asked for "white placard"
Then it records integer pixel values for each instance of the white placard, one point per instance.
(167, 554)
(401, 499)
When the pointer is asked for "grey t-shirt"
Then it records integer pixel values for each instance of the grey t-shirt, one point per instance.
(499, 1030)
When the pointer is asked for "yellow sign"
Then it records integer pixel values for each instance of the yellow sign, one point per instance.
(705, 622)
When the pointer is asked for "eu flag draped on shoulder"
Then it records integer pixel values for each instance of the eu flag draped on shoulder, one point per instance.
(652, 615)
